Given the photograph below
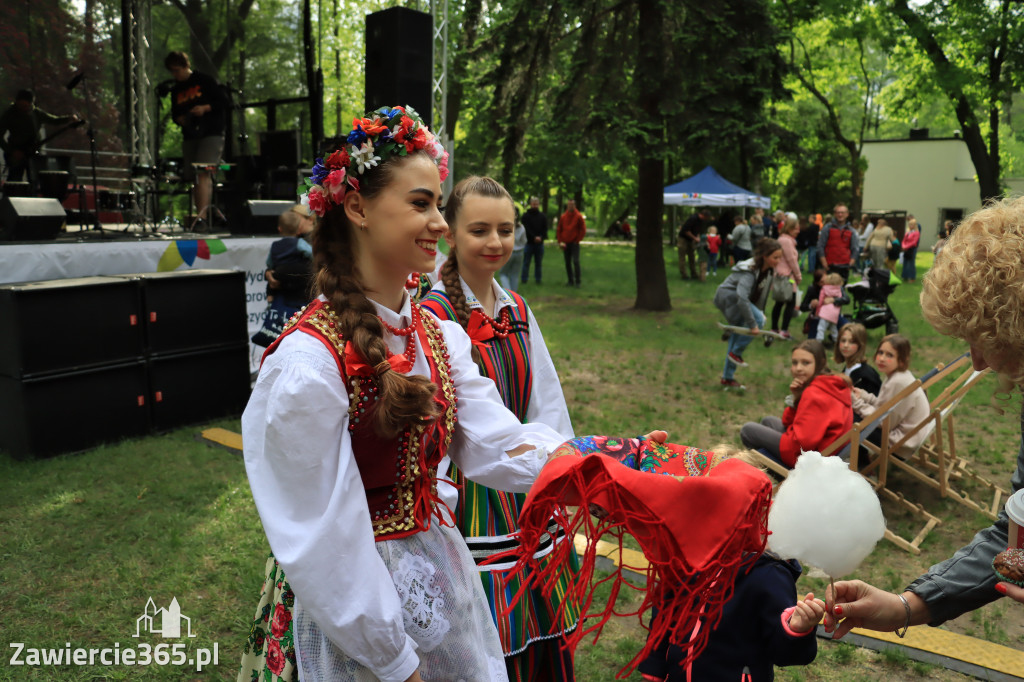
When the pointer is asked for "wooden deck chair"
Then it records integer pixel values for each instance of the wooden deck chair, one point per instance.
(853, 441)
(935, 461)
(925, 428)
(879, 419)
(885, 452)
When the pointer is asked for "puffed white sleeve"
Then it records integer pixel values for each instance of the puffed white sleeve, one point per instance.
(547, 402)
(312, 503)
(487, 430)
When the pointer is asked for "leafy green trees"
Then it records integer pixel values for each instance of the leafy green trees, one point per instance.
(835, 60)
(593, 96)
(975, 51)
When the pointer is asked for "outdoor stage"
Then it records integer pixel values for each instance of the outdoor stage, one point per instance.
(123, 251)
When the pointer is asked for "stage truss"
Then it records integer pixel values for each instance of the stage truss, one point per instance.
(439, 11)
(136, 28)
(136, 31)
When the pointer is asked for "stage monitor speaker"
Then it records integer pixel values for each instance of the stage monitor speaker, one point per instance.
(65, 324)
(70, 412)
(280, 148)
(192, 309)
(399, 60)
(27, 219)
(260, 216)
(191, 388)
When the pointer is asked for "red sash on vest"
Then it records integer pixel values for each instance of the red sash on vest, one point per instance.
(398, 474)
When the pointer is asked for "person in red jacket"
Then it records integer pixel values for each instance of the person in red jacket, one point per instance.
(818, 410)
(571, 228)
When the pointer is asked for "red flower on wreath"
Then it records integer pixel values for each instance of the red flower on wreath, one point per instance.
(282, 617)
(405, 135)
(419, 140)
(338, 159)
(275, 657)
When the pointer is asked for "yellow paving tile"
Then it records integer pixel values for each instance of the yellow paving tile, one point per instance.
(631, 558)
(228, 439)
(960, 647)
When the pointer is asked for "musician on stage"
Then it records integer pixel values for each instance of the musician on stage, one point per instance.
(19, 133)
(199, 106)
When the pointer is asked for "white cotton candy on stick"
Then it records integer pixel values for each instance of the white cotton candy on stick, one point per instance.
(825, 515)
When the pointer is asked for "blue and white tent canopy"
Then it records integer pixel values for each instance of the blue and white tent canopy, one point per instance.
(708, 188)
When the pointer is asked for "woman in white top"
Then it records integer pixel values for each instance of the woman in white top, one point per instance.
(893, 360)
(355, 406)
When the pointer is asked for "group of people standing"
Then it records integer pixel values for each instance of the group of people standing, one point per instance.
(569, 232)
(834, 242)
(383, 565)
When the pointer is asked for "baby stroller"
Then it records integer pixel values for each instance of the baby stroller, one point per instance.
(871, 300)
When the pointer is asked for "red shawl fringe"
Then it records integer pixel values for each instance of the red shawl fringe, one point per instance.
(696, 533)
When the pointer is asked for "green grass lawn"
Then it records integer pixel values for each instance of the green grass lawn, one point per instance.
(88, 538)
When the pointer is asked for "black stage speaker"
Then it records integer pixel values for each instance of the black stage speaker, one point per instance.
(18, 189)
(73, 411)
(56, 162)
(280, 148)
(399, 60)
(190, 388)
(27, 219)
(192, 309)
(60, 325)
(282, 184)
(260, 216)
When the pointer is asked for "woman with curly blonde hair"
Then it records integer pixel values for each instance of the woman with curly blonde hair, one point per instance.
(974, 292)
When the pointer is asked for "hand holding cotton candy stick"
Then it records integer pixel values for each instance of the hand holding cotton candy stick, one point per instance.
(825, 515)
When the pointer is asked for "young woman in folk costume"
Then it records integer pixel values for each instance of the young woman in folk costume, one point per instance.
(356, 404)
(509, 348)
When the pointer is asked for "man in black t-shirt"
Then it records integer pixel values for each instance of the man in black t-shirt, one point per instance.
(19, 133)
(199, 106)
(536, 224)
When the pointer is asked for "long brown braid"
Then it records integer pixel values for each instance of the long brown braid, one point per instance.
(474, 185)
(404, 399)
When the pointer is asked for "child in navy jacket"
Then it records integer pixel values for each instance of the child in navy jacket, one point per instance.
(763, 625)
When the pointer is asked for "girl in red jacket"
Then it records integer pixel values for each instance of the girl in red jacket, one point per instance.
(818, 410)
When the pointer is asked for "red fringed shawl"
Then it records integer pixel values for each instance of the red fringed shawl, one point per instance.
(697, 531)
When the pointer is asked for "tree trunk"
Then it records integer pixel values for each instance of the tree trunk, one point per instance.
(856, 184)
(457, 67)
(651, 281)
(985, 165)
(200, 42)
(316, 116)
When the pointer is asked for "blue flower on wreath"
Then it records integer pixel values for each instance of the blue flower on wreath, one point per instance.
(319, 172)
(383, 137)
(357, 136)
(387, 112)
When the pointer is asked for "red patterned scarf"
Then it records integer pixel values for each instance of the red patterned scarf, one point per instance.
(698, 520)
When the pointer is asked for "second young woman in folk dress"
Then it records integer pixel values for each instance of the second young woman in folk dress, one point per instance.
(510, 350)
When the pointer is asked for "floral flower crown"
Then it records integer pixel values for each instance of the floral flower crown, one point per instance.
(397, 131)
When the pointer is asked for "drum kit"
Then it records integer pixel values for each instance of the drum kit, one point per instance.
(163, 179)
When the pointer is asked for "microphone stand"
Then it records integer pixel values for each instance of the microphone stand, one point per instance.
(91, 132)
